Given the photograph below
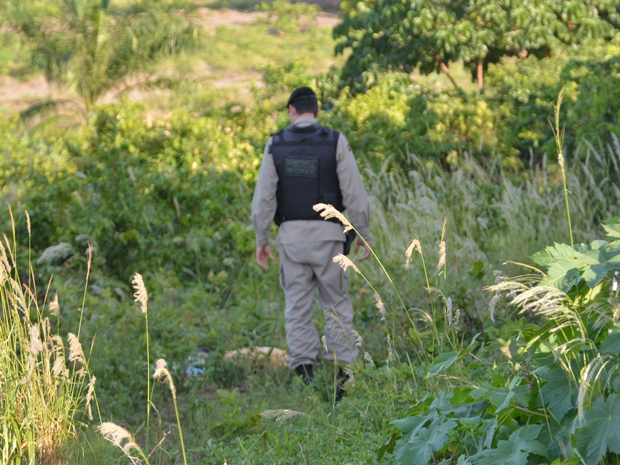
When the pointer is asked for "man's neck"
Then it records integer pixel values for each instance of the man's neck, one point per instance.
(294, 118)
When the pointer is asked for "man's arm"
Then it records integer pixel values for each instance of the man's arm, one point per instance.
(354, 196)
(264, 206)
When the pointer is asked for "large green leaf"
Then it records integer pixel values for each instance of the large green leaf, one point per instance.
(553, 254)
(420, 448)
(611, 344)
(556, 435)
(515, 450)
(612, 227)
(594, 274)
(611, 253)
(444, 361)
(497, 395)
(557, 394)
(410, 425)
(563, 275)
(567, 266)
(601, 431)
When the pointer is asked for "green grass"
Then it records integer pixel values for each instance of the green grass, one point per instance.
(219, 425)
(232, 4)
(223, 425)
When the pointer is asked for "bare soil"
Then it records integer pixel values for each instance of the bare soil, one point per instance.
(17, 96)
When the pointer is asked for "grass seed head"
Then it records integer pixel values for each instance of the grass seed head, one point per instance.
(31, 364)
(141, 295)
(76, 353)
(54, 306)
(442, 256)
(369, 359)
(448, 303)
(282, 414)
(413, 246)
(344, 262)
(89, 396)
(390, 357)
(60, 368)
(117, 435)
(162, 374)
(36, 345)
(328, 212)
(57, 254)
(351, 375)
(335, 326)
(492, 304)
(380, 306)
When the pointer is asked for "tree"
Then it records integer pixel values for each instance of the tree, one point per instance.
(406, 34)
(92, 46)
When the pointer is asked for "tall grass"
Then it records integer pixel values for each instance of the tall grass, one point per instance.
(118, 435)
(491, 215)
(42, 397)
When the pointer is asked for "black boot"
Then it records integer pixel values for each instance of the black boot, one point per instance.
(340, 380)
(305, 372)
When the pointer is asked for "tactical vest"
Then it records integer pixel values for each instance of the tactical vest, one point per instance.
(305, 159)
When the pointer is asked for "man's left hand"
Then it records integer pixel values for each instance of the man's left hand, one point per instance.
(366, 246)
(261, 256)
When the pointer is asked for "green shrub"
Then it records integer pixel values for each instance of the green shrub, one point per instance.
(285, 16)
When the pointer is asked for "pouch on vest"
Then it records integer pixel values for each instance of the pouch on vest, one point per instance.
(349, 237)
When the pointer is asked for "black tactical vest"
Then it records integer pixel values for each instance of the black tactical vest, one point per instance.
(305, 159)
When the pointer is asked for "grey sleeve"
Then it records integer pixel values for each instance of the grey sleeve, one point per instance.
(354, 194)
(264, 201)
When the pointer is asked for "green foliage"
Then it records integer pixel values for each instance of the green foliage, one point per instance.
(515, 450)
(526, 90)
(92, 45)
(388, 34)
(236, 421)
(510, 120)
(590, 263)
(135, 185)
(477, 424)
(558, 394)
(560, 400)
(600, 432)
(287, 17)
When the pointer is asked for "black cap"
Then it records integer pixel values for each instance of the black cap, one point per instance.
(299, 93)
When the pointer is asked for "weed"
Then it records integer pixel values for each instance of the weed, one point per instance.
(42, 398)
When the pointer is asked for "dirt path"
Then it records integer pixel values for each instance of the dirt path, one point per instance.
(17, 96)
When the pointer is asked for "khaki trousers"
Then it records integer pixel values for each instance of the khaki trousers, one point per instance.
(303, 268)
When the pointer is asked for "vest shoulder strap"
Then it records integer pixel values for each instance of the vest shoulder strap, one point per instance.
(277, 136)
(336, 138)
(324, 137)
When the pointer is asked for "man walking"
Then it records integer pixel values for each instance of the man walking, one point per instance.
(303, 165)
